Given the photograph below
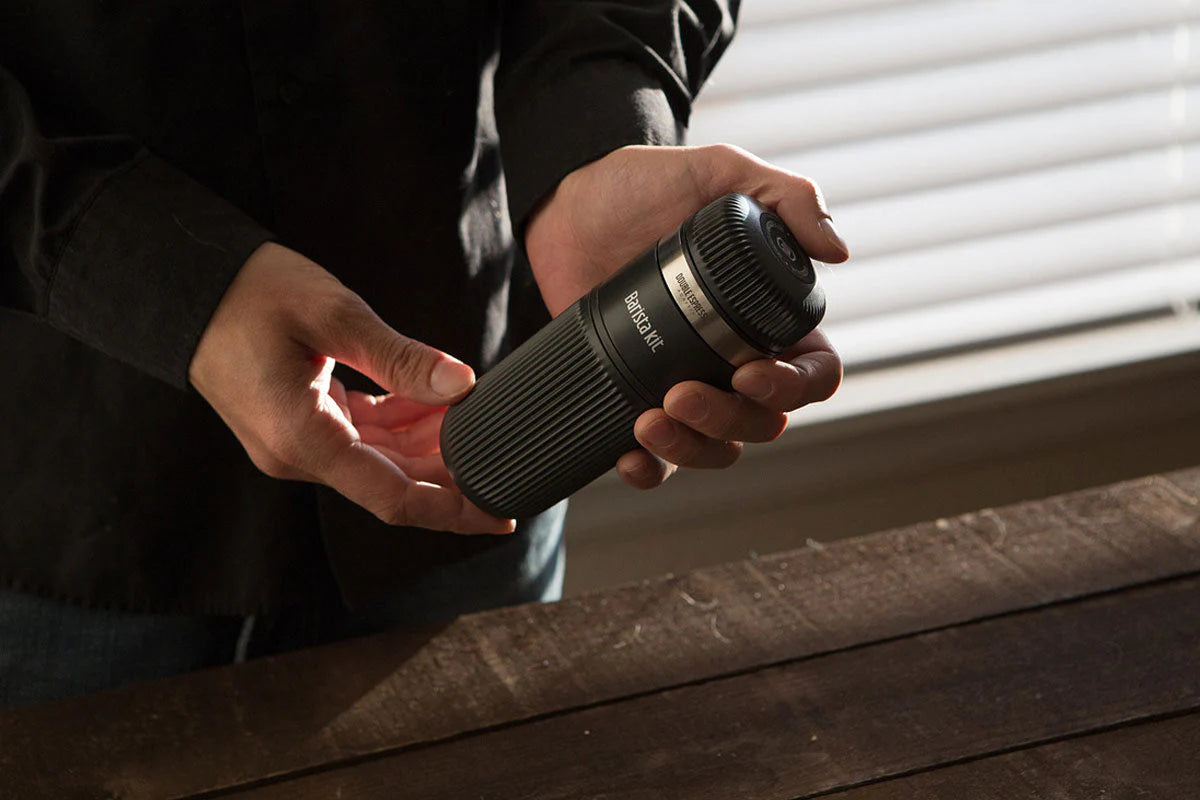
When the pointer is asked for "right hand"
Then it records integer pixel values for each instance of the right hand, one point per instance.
(606, 212)
(265, 364)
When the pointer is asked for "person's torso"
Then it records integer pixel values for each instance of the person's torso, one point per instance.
(362, 135)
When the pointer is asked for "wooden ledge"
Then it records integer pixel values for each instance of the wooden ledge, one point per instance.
(330, 708)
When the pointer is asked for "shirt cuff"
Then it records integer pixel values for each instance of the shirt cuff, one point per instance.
(146, 266)
(557, 126)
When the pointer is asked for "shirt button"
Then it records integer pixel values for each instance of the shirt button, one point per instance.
(290, 92)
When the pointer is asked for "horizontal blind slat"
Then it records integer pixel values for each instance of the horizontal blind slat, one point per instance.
(982, 150)
(1013, 202)
(1001, 168)
(766, 12)
(911, 36)
(895, 104)
(995, 317)
(1016, 363)
(933, 275)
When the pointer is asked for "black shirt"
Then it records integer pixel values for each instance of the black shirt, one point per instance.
(148, 147)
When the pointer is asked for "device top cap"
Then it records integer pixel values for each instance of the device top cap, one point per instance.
(754, 269)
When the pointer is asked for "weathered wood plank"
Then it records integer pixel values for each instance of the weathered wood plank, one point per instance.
(1151, 761)
(275, 716)
(826, 722)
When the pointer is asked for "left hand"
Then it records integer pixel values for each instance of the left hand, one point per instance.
(609, 211)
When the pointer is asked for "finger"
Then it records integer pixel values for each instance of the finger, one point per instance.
(426, 505)
(337, 391)
(722, 415)
(816, 340)
(419, 439)
(350, 332)
(644, 470)
(430, 468)
(388, 410)
(679, 444)
(720, 169)
(364, 475)
(788, 385)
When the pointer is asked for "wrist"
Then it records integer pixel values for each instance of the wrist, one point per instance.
(240, 303)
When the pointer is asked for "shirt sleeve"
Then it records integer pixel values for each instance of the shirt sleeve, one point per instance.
(110, 244)
(578, 79)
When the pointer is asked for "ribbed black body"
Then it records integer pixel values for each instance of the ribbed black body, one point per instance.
(546, 421)
(559, 411)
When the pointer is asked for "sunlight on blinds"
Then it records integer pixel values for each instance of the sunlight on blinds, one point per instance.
(1004, 170)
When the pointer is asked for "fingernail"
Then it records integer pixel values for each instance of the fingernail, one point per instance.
(755, 386)
(451, 378)
(661, 433)
(690, 408)
(831, 234)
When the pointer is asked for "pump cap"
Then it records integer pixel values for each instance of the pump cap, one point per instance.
(755, 271)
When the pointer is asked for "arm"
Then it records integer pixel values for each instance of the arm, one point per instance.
(116, 248)
(606, 201)
(579, 79)
(110, 244)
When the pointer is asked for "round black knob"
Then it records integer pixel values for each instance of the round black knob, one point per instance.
(758, 276)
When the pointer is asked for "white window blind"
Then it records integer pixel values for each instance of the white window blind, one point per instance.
(1005, 171)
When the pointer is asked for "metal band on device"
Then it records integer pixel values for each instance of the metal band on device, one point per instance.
(688, 294)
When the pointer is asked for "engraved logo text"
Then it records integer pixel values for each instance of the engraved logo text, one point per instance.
(641, 321)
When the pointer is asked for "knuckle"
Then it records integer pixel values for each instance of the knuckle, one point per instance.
(344, 311)
(723, 151)
(688, 449)
(809, 188)
(732, 418)
(805, 183)
(721, 426)
(407, 360)
(731, 423)
(806, 370)
(821, 377)
(331, 316)
(722, 166)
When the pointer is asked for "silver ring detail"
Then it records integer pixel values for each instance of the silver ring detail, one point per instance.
(688, 294)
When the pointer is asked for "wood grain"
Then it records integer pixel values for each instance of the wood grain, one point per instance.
(821, 723)
(272, 717)
(1150, 761)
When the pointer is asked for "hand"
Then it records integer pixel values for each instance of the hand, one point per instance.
(265, 364)
(609, 211)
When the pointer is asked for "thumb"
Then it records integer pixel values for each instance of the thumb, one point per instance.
(355, 335)
(722, 168)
